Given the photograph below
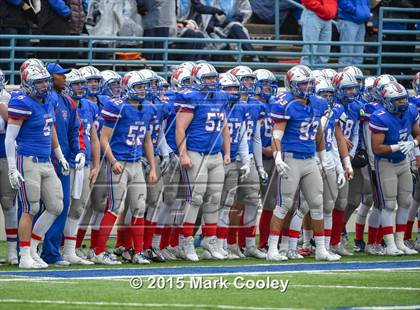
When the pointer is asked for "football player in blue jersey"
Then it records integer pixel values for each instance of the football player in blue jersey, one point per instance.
(249, 188)
(125, 139)
(297, 136)
(70, 137)
(346, 87)
(358, 74)
(391, 128)
(81, 180)
(7, 193)
(201, 132)
(31, 128)
(111, 84)
(415, 204)
(237, 169)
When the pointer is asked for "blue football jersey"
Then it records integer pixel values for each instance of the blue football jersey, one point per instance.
(370, 108)
(302, 125)
(255, 113)
(235, 117)
(396, 128)
(332, 121)
(171, 126)
(354, 112)
(34, 138)
(162, 112)
(2, 146)
(130, 127)
(416, 101)
(87, 113)
(204, 133)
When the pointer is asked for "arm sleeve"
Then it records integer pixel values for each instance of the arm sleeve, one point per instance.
(243, 149)
(60, 7)
(338, 166)
(10, 145)
(184, 104)
(164, 148)
(19, 109)
(368, 144)
(347, 6)
(355, 139)
(257, 145)
(110, 113)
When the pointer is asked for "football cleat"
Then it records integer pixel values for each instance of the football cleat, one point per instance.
(140, 258)
(81, 253)
(393, 251)
(234, 249)
(189, 249)
(119, 251)
(276, 256)
(76, 260)
(293, 254)
(154, 255)
(29, 263)
(104, 259)
(325, 255)
(359, 246)
(340, 250)
(169, 253)
(254, 252)
(210, 244)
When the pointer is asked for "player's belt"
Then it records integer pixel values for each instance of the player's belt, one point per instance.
(301, 155)
(39, 159)
(393, 161)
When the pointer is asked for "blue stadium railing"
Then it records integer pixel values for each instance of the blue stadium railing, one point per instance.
(94, 51)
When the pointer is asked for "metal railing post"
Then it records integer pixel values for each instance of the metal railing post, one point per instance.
(90, 53)
(277, 20)
(380, 41)
(165, 55)
(311, 57)
(12, 60)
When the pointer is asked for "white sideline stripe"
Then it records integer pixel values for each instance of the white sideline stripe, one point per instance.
(42, 280)
(357, 287)
(134, 304)
(387, 307)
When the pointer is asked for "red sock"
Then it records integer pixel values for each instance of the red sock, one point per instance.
(176, 231)
(209, 230)
(127, 238)
(337, 227)
(232, 236)
(264, 227)
(409, 230)
(107, 223)
(120, 235)
(149, 230)
(400, 228)
(250, 231)
(222, 232)
(80, 236)
(187, 230)
(166, 235)
(383, 231)
(137, 233)
(93, 238)
(241, 232)
(360, 228)
(293, 233)
(372, 234)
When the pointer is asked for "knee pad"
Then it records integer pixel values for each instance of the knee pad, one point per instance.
(280, 212)
(368, 199)
(390, 205)
(315, 202)
(328, 206)
(341, 204)
(316, 214)
(139, 209)
(214, 198)
(7, 203)
(196, 199)
(405, 201)
(55, 209)
(76, 213)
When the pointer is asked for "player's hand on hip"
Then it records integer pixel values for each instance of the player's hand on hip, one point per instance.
(117, 168)
(93, 175)
(186, 161)
(226, 159)
(15, 178)
(80, 161)
(65, 167)
(341, 180)
(152, 177)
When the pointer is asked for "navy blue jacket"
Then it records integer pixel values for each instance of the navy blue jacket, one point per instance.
(356, 11)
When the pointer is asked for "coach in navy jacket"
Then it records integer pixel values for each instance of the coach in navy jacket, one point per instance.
(352, 14)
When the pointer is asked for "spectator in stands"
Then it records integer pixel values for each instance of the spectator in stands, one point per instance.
(265, 13)
(159, 20)
(353, 14)
(77, 22)
(189, 29)
(225, 21)
(16, 17)
(316, 22)
(54, 19)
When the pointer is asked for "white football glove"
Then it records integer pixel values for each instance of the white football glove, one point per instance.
(281, 166)
(65, 167)
(407, 146)
(263, 176)
(244, 172)
(80, 161)
(15, 178)
(164, 165)
(341, 180)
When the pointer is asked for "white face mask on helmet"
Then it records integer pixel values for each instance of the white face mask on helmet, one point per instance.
(2, 81)
(91, 73)
(111, 85)
(266, 83)
(246, 77)
(31, 78)
(295, 79)
(129, 83)
(379, 83)
(75, 84)
(416, 83)
(202, 71)
(181, 79)
(230, 85)
(325, 89)
(345, 86)
(392, 92)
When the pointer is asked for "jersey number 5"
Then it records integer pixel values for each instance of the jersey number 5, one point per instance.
(135, 135)
(214, 121)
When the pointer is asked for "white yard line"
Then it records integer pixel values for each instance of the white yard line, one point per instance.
(134, 304)
(291, 285)
(409, 307)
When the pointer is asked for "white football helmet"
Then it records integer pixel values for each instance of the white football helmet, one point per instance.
(286, 82)
(181, 79)
(188, 65)
(379, 83)
(358, 74)
(228, 80)
(242, 73)
(325, 89)
(392, 92)
(318, 73)
(416, 83)
(91, 73)
(111, 84)
(153, 80)
(329, 73)
(33, 75)
(343, 83)
(201, 71)
(31, 62)
(265, 78)
(132, 79)
(72, 78)
(368, 93)
(295, 77)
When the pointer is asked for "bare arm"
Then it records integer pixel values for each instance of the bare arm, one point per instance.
(275, 143)
(226, 142)
(341, 142)
(182, 122)
(320, 139)
(95, 147)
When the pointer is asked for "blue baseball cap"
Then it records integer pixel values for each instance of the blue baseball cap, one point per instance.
(55, 68)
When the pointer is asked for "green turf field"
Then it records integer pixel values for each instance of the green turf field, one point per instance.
(394, 288)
